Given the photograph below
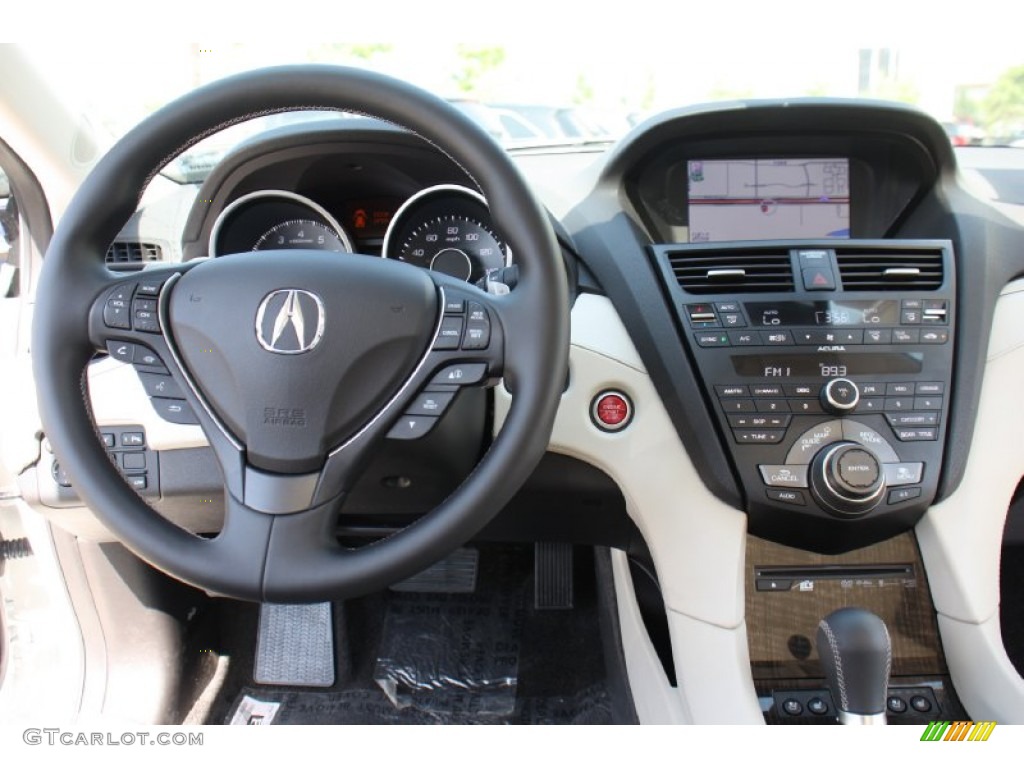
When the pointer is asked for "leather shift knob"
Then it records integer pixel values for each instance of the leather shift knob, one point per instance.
(856, 653)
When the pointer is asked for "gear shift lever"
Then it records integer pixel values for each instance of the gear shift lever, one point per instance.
(856, 652)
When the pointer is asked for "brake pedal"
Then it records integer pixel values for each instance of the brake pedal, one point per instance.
(552, 572)
(295, 645)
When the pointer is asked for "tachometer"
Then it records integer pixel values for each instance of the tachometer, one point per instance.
(446, 229)
(300, 233)
(276, 219)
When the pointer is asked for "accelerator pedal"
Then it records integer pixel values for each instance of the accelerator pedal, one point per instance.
(295, 645)
(552, 572)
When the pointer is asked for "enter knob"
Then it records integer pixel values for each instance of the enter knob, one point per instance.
(839, 396)
(847, 479)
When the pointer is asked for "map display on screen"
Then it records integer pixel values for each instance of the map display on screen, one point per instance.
(768, 199)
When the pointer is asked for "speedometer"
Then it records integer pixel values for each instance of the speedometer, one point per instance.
(447, 229)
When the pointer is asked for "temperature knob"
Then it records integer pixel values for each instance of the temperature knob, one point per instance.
(839, 396)
(847, 479)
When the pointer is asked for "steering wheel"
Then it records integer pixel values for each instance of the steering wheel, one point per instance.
(298, 363)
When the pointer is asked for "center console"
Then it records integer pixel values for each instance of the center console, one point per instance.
(829, 368)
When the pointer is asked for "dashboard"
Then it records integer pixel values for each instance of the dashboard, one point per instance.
(792, 302)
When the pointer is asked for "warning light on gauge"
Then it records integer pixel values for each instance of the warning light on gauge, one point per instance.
(359, 219)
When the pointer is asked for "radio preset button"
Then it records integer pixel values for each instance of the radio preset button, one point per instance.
(738, 406)
(870, 404)
(806, 406)
(771, 406)
(927, 403)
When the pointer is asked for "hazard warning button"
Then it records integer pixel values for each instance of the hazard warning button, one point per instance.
(819, 279)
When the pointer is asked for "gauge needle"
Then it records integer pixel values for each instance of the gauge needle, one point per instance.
(291, 312)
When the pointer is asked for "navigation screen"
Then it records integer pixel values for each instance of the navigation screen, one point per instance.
(769, 199)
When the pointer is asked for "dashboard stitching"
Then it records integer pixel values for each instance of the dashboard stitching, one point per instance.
(843, 701)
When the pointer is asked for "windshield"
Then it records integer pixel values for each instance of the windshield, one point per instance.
(573, 90)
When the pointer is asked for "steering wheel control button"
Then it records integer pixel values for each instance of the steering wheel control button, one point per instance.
(786, 496)
(463, 374)
(811, 441)
(430, 404)
(144, 316)
(450, 334)
(117, 310)
(149, 288)
(902, 495)
(454, 306)
(908, 473)
(121, 350)
(147, 358)
(174, 411)
(133, 460)
(478, 327)
(133, 439)
(160, 385)
(611, 411)
(412, 427)
(784, 475)
(839, 396)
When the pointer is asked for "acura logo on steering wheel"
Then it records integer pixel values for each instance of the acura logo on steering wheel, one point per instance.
(290, 321)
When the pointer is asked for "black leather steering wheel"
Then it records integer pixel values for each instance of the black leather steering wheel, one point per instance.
(298, 363)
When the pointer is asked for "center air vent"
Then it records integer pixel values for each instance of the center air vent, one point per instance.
(881, 268)
(751, 270)
(132, 255)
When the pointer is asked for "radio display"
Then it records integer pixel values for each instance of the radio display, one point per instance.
(827, 365)
(768, 198)
(830, 314)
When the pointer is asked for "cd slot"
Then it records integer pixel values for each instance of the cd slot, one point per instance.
(786, 578)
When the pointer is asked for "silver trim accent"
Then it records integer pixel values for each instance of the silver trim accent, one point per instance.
(438, 188)
(161, 316)
(901, 272)
(721, 274)
(851, 718)
(293, 197)
(290, 314)
(398, 395)
(841, 407)
(866, 501)
(278, 494)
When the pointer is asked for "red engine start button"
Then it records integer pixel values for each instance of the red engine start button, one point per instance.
(611, 411)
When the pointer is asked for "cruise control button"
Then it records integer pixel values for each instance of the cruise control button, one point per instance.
(478, 334)
(412, 427)
(784, 475)
(174, 411)
(430, 404)
(907, 473)
(462, 374)
(450, 334)
(454, 306)
(121, 350)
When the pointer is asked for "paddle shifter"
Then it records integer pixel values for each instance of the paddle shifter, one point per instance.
(856, 653)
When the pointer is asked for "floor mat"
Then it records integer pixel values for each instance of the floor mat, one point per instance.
(537, 666)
